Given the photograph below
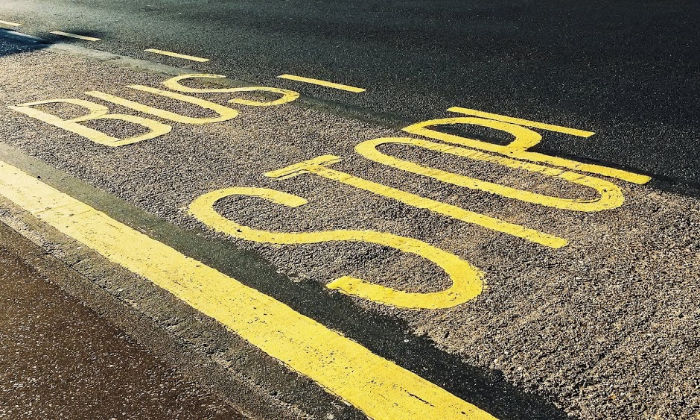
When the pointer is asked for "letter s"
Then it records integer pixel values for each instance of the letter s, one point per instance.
(467, 280)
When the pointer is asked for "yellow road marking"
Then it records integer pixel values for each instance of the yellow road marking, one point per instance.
(7, 23)
(520, 121)
(176, 55)
(466, 280)
(374, 385)
(224, 113)
(318, 166)
(287, 95)
(321, 83)
(76, 36)
(524, 139)
(95, 112)
(609, 195)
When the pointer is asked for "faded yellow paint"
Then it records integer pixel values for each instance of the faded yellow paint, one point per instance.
(524, 139)
(224, 113)
(287, 95)
(609, 195)
(376, 386)
(466, 280)
(96, 112)
(318, 166)
(76, 36)
(7, 23)
(177, 55)
(320, 82)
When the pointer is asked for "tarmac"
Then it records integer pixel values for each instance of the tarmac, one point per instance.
(586, 313)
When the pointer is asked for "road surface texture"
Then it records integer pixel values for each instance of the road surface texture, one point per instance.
(629, 67)
(470, 210)
(60, 360)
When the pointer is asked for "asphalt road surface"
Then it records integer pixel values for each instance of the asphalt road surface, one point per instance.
(61, 360)
(629, 67)
(393, 210)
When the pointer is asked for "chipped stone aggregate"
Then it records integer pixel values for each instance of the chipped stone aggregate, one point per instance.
(608, 324)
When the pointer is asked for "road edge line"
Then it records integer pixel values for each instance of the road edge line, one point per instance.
(380, 388)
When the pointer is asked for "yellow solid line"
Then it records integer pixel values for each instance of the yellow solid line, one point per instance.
(321, 83)
(520, 121)
(376, 386)
(6, 23)
(76, 36)
(176, 55)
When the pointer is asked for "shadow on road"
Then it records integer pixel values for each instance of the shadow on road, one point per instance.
(12, 42)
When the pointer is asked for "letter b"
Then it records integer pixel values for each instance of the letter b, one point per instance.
(96, 112)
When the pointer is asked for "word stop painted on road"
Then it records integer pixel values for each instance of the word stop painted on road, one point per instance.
(467, 280)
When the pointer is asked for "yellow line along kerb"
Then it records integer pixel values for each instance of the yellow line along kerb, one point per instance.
(7, 23)
(176, 55)
(321, 83)
(76, 36)
(376, 386)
